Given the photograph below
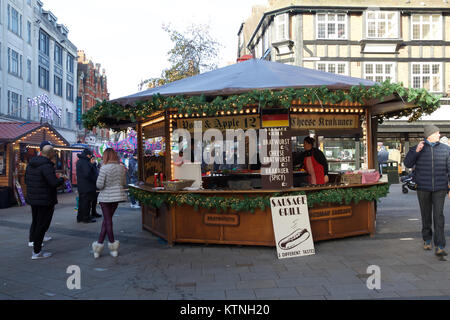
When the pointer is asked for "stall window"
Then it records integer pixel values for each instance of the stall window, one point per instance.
(154, 146)
(343, 154)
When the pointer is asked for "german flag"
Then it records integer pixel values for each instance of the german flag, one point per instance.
(273, 118)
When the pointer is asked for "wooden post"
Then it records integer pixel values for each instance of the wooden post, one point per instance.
(370, 164)
(140, 148)
(168, 155)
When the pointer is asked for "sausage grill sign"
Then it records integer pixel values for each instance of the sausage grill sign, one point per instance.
(291, 226)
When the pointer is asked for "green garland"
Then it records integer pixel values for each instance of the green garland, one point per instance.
(250, 204)
(109, 115)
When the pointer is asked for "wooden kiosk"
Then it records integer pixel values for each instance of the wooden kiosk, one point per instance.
(19, 142)
(240, 97)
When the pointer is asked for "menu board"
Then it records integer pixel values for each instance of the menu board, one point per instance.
(324, 121)
(276, 167)
(235, 122)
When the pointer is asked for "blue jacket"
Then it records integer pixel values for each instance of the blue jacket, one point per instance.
(432, 165)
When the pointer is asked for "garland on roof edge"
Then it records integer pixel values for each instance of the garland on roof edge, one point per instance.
(108, 115)
(250, 204)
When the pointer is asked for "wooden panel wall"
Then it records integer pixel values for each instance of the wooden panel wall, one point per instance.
(5, 180)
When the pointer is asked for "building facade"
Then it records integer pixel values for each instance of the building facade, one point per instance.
(92, 88)
(38, 67)
(404, 41)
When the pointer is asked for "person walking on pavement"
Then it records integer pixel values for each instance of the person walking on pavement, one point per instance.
(42, 184)
(33, 222)
(133, 177)
(86, 179)
(432, 165)
(111, 181)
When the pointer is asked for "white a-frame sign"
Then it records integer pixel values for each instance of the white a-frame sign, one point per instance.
(291, 226)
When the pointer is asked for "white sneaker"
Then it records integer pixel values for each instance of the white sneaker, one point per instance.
(47, 239)
(41, 255)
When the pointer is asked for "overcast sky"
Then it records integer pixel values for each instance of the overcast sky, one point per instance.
(126, 37)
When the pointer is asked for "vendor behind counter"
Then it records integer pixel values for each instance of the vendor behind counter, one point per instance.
(313, 161)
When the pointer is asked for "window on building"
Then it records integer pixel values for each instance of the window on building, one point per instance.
(69, 92)
(427, 76)
(58, 54)
(69, 120)
(14, 21)
(379, 71)
(426, 26)
(333, 67)
(44, 78)
(282, 27)
(44, 43)
(70, 63)
(58, 86)
(14, 63)
(29, 115)
(331, 26)
(29, 32)
(56, 121)
(29, 70)
(382, 24)
(29, 2)
(14, 104)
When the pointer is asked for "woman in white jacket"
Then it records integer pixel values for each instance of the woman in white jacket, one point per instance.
(111, 181)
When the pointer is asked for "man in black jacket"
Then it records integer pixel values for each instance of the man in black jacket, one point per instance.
(42, 183)
(432, 162)
(86, 183)
(33, 223)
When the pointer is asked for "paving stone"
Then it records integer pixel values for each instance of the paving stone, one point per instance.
(312, 290)
(210, 295)
(301, 281)
(274, 293)
(213, 285)
(241, 294)
(256, 284)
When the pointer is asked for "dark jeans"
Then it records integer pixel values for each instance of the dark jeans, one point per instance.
(94, 205)
(108, 209)
(132, 199)
(42, 217)
(85, 205)
(432, 211)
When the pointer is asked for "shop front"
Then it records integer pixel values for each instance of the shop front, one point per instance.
(239, 129)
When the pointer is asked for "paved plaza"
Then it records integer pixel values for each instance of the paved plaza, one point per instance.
(147, 268)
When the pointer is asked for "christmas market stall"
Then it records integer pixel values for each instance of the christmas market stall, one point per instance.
(268, 107)
(19, 142)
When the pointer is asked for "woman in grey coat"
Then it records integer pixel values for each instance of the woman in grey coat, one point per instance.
(111, 181)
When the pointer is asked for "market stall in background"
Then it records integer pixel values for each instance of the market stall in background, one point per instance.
(200, 201)
(19, 142)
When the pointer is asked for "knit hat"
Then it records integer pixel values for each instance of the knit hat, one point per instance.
(45, 143)
(86, 152)
(429, 130)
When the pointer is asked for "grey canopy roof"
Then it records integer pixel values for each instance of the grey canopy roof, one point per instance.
(247, 76)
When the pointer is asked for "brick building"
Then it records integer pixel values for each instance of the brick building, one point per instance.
(92, 88)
